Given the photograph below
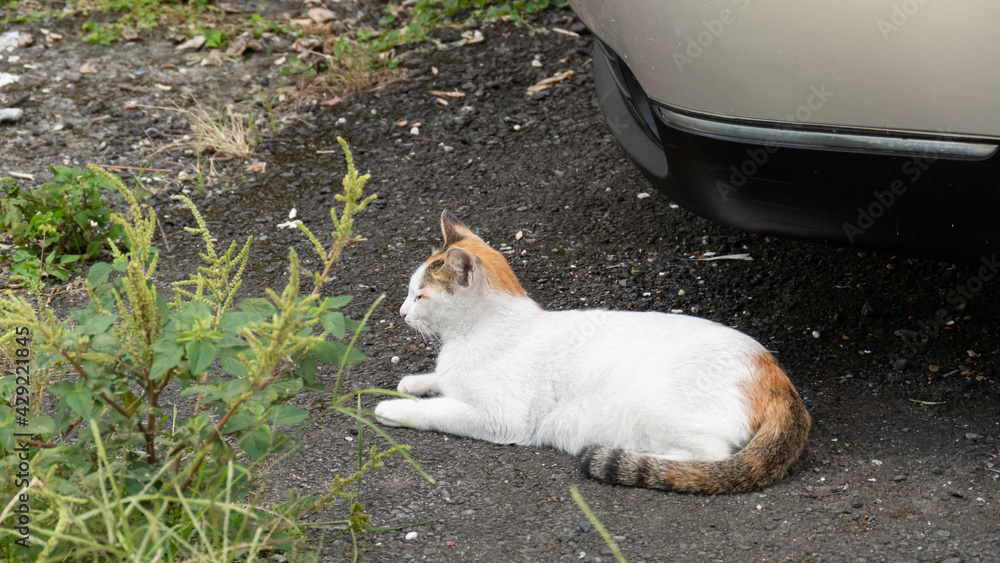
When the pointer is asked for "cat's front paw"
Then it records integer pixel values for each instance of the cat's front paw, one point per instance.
(393, 413)
(419, 385)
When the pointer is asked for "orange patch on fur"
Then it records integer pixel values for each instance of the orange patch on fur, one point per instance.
(766, 391)
(498, 273)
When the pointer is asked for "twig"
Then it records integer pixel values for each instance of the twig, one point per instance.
(928, 402)
(565, 32)
(745, 257)
(113, 167)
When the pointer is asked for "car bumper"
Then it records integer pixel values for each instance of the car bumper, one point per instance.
(916, 195)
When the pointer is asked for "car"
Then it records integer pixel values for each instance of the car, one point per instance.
(871, 124)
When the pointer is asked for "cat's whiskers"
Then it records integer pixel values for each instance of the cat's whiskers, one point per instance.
(425, 330)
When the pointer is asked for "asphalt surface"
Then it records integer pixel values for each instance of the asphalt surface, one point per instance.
(895, 358)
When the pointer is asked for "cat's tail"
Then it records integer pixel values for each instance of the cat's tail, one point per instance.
(782, 426)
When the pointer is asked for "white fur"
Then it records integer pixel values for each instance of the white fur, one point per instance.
(510, 372)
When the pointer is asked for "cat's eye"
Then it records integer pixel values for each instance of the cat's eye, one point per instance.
(417, 298)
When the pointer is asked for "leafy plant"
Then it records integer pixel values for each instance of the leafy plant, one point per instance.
(259, 25)
(296, 66)
(57, 226)
(138, 14)
(358, 55)
(214, 37)
(115, 473)
(98, 34)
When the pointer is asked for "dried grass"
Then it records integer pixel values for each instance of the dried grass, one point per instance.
(348, 78)
(227, 133)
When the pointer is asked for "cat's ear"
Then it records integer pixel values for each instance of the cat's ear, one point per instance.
(464, 264)
(453, 229)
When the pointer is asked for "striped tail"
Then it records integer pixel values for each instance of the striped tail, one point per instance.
(782, 427)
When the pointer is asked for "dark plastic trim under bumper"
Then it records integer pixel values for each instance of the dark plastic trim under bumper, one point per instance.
(934, 205)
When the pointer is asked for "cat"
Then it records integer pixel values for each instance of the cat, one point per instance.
(650, 399)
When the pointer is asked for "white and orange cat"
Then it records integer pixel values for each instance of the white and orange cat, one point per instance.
(650, 399)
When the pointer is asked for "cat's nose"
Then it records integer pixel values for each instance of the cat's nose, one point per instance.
(402, 314)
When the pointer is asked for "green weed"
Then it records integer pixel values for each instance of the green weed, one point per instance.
(139, 14)
(57, 226)
(113, 472)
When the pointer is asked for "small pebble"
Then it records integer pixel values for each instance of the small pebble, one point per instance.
(411, 536)
(899, 478)
(395, 359)
(11, 114)
(585, 526)
(815, 334)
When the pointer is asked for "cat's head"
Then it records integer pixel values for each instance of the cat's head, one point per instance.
(456, 277)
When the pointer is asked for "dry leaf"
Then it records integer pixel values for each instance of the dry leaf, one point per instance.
(86, 69)
(242, 43)
(473, 36)
(213, 58)
(257, 167)
(191, 44)
(304, 44)
(565, 32)
(321, 15)
(129, 34)
(544, 83)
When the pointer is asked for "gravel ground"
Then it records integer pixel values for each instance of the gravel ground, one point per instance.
(896, 358)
